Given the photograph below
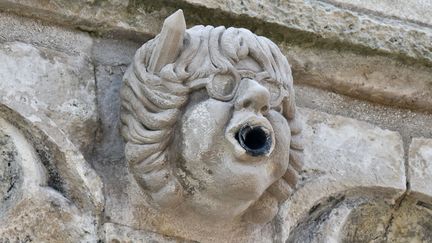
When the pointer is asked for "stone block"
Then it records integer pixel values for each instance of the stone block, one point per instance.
(374, 78)
(320, 18)
(43, 34)
(420, 166)
(58, 85)
(51, 194)
(333, 23)
(345, 157)
(409, 10)
(112, 18)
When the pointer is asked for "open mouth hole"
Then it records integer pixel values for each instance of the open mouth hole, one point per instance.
(255, 140)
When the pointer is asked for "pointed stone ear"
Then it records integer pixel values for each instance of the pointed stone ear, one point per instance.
(170, 42)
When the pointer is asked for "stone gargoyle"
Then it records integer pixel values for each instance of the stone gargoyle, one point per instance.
(209, 119)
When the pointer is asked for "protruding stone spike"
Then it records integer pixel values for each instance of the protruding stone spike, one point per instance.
(170, 42)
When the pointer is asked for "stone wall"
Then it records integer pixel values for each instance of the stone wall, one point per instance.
(363, 80)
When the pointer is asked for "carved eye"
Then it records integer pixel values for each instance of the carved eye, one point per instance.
(275, 92)
(278, 108)
(222, 86)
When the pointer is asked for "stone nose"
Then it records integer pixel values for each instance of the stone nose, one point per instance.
(252, 95)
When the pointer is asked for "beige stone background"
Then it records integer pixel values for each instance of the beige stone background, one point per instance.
(363, 76)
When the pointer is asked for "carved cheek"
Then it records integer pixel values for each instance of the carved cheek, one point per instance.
(280, 156)
(203, 126)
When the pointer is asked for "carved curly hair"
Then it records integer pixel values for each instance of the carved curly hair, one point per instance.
(152, 103)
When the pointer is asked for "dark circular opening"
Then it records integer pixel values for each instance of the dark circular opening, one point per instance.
(254, 140)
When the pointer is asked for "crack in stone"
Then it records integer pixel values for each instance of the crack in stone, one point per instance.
(97, 135)
(402, 198)
(394, 213)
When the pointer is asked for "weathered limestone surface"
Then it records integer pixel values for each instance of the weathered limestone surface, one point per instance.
(412, 221)
(68, 171)
(407, 122)
(47, 100)
(112, 17)
(119, 233)
(63, 172)
(371, 77)
(410, 10)
(27, 201)
(317, 17)
(33, 31)
(339, 24)
(420, 165)
(344, 158)
(54, 83)
(367, 31)
(45, 201)
(346, 148)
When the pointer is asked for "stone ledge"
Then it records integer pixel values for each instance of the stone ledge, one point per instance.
(407, 122)
(58, 85)
(336, 48)
(302, 22)
(114, 18)
(374, 78)
(335, 24)
(415, 11)
(36, 32)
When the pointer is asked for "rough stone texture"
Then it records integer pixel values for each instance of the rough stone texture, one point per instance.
(420, 165)
(412, 222)
(343, 220)
(317, 17)
(54, 83)
(32, 31)
(113, 52)
(353, 187)
(408, 123)
(35, 208)
(339, 24)
(371, 77)
(10, 171)
(367, 28)
(366, 219)
(66, 166)
(344, 157)
(122, 234)
(112, 17)
(411, 10)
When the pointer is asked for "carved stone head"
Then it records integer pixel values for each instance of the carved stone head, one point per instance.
(209, 120)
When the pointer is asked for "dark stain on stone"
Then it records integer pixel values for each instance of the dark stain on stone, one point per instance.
(54, 179)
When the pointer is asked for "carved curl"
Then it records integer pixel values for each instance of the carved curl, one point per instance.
(152, 103)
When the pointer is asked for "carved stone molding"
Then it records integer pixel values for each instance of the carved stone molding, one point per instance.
(47, 190)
